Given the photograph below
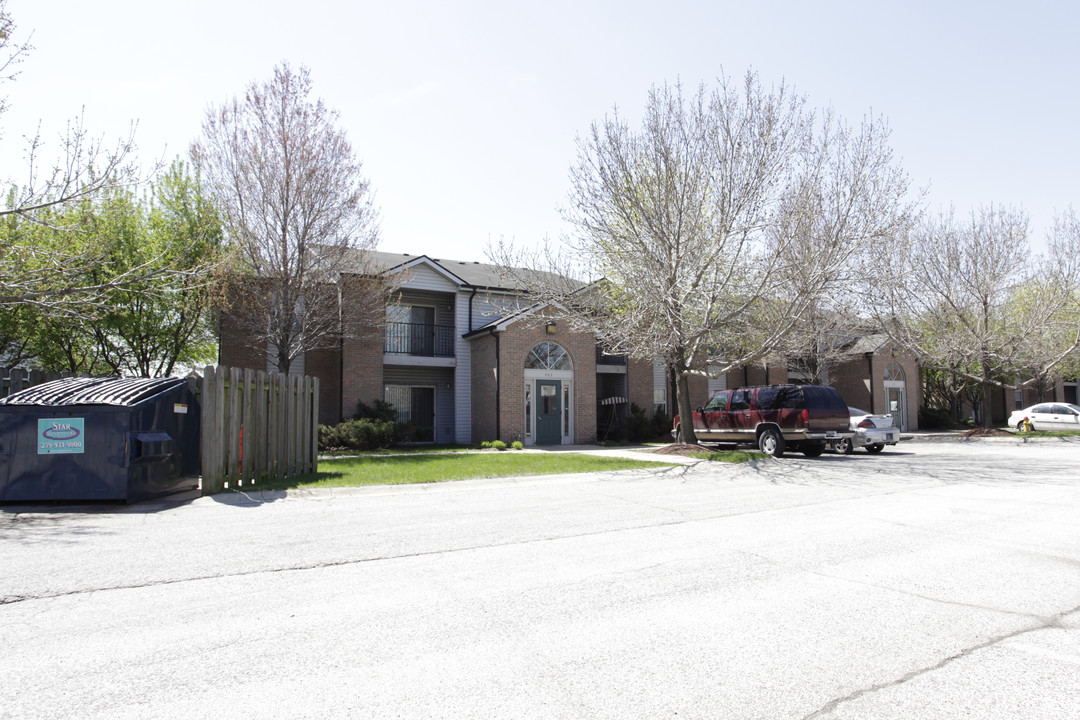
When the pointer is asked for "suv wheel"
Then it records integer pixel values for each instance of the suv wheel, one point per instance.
(771, 442)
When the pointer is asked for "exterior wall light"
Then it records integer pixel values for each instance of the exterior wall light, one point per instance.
(551, 328)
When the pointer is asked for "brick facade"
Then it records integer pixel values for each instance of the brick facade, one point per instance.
(514, 346)
(639, 384)
(232, 351)
(361, 371)
(861, 382)
(483, 378)
(326, 365)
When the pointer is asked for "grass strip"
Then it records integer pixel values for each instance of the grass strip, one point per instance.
(733, 456)
(362, 471)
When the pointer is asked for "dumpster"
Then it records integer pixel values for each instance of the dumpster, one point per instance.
(99, 439)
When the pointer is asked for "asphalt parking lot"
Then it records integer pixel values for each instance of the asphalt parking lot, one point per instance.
(936, 580)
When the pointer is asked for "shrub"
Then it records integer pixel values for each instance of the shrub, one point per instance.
(486, 444)
(381, 411)
(638, 426)
(661, 423)
(498, 444)
(361, 434)
(933, 418)
(517, 445)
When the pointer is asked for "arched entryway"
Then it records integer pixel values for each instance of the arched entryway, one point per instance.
(896, 394)
(549, 395)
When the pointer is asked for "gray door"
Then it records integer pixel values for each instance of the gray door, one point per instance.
(548, 412)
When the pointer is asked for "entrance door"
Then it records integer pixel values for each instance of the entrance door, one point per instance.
(423, 413)
(897, 406)
(422, 331)
(548, 412)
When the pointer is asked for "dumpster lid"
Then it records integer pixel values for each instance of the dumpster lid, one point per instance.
(124, 392)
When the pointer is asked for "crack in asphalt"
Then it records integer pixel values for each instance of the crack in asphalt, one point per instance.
(1044, 624)
(14, 599)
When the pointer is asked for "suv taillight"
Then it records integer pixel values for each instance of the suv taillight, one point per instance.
(805, 415)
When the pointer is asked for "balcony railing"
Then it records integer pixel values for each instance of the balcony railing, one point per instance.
(602, 358)
(419, 340)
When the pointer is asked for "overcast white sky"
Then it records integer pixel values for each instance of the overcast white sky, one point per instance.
(465, 113)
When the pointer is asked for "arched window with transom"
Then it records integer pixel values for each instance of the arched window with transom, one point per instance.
(894, 372)
(548, 356)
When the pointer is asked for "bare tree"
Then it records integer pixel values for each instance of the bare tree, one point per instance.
(48, 265)
(716, 226)
(967, 296)
(299, 215)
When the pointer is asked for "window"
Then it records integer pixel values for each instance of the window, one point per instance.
(410, 330)
(893, 371)
(566, 409)
(415, 405)
(528, 409)
(548, 356)
(718, 403)
(740, 400)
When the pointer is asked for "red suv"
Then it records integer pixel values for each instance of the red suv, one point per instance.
(775, 418)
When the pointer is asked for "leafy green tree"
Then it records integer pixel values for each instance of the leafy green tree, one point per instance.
(968, 296)
(143, 328)
(165, 321)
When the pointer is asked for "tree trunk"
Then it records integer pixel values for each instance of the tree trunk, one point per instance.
(987, 397)
(686, 410)
(987, 405)
(283, 361)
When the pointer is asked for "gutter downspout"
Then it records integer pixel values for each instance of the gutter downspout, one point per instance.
(498, 387)
(474, 291)
(870, 366)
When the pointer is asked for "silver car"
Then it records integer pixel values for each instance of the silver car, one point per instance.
(1047, 416)
(872, 432)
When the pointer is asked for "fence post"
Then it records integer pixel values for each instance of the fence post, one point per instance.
(273, 421)
(259, 433)
(314, 425)
(247, 425)
(211, 400)
(16, 384)
(232, 425)
(305, 432)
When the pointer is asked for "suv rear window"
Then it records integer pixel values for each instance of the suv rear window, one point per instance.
(780, 398)
(823, 397)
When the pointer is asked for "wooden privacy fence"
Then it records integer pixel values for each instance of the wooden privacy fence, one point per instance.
(15, 379)
(256, 426)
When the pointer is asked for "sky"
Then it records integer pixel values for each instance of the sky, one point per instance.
(466, 114)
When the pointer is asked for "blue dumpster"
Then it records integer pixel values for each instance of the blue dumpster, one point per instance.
(99, 439)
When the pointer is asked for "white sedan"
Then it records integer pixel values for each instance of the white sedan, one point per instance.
(1047, 416)
(872, 432)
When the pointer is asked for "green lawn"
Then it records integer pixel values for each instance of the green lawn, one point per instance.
(1046, 433)
(400, 450)
(733, 456)
(376, 470)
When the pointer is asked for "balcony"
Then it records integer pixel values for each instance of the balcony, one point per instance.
(419, 340)
(603, 358)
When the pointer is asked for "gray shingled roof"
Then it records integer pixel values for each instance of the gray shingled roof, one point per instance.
(470, 273)
(869, 343)
(473, 274)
